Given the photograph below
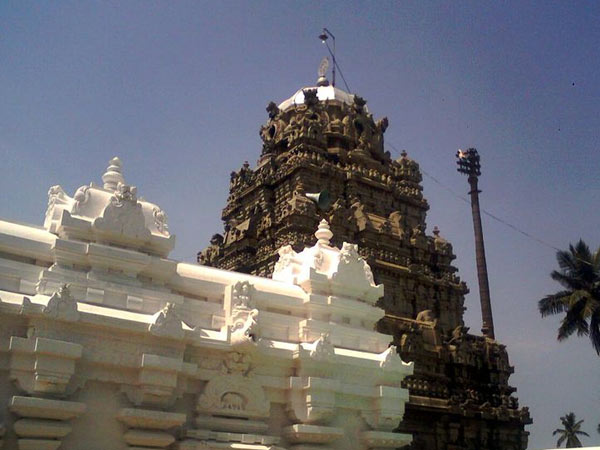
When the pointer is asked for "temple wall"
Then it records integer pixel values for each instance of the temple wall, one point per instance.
(105, 343)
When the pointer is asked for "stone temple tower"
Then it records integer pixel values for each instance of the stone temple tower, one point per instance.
(323, 138)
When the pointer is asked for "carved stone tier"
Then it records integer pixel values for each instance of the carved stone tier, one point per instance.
(43, 422)
(332, 142)
(43, 366)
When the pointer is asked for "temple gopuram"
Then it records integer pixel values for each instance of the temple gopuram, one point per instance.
(325, 140)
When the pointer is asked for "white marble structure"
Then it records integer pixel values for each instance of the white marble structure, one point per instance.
(105, 343)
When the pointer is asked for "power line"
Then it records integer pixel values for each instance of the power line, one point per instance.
(487, 213)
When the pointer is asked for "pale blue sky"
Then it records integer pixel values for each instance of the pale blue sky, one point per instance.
(178, 91)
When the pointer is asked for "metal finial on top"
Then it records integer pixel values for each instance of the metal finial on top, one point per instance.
(322, 80)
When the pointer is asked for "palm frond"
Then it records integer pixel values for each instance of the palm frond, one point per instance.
(595, 332)
(567, 280)
(579, 274)
(565, 259)
(554, 303)
(582, 251)
(573, 321)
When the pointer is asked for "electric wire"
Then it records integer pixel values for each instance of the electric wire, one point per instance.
(487, 213)
(337, 66)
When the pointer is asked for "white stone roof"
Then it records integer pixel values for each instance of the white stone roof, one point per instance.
(92, 297)
(111, 213)
(323, 93)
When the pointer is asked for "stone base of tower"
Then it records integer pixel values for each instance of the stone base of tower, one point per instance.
(435, 429)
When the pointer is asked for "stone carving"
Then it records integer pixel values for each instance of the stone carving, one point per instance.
(352, 262)
(411, 342)
(211, 254)
(322, 348)
(286, 256)
(418, 238)
(348, 127)
(241, 296)
(386, 227)
(377, 138)
(359, 104)
(349, 253)
(233, 401)
(391, 357)
(243, 321)
(167, 323)
(360, 218)
(310, 97)
(339, 213)
(124, 194)
(123, 215)
(244, 327)
(272, 109)
(426, 316)
(234, 395)
(160, 220)
(56, 197)
(81, 196)
(62, 305)
(318, 260)
(458, 334)
(237, 362)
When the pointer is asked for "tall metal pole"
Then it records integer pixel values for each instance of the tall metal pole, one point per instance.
(468, 164)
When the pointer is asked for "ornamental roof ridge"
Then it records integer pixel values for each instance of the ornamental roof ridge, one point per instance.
(328, 270)
(110, 214)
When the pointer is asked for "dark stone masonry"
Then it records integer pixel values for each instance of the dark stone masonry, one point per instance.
(326, 139)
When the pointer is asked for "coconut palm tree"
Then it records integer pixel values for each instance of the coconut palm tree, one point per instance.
(579, 274)
(570, 431)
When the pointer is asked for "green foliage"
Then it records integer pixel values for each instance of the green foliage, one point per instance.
(579, 274)
(572, 428)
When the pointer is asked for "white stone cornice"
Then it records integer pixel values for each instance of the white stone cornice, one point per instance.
(187, 356)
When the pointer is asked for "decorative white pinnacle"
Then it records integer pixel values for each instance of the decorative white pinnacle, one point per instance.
(113, 175)
(323, 233)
